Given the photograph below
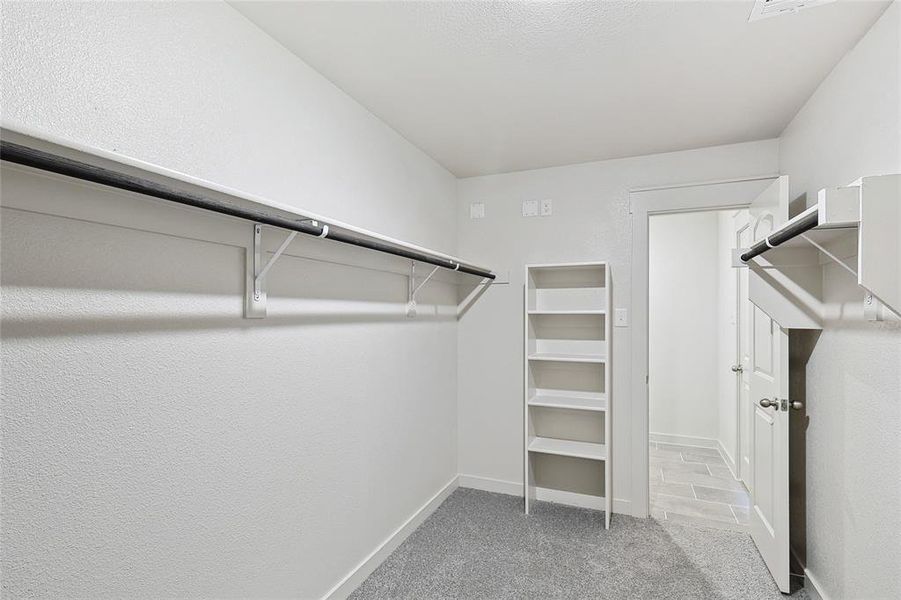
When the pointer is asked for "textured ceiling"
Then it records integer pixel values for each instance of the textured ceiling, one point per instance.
(495, 87)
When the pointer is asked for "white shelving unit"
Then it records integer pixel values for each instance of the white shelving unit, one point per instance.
(567, 424)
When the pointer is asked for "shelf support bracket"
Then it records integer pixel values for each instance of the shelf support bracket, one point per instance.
(413, 289)
(255, 300)
(872, 308)
(832, 256)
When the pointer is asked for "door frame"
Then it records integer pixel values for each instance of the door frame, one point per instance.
(741, 335)
(644, 202)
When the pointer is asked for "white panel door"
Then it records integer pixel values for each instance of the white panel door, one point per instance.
(769, 394)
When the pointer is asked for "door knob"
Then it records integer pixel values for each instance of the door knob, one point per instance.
(767, 403)
(797, 405)
(737, 368)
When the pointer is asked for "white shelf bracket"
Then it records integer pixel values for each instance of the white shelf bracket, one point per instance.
(413, 289)
(872, 308)
(255, 301)
(258, 279)
(832, 256)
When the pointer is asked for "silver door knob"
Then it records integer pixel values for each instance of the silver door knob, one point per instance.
(737, 368)
(766, 403)
(797, 405)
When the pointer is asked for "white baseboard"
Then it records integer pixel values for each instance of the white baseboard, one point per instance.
(355, 577)
(358, 574)
(487, 484)
(683, 440)
(813, 587)
(514, 488)
(730, 462)
(698, 442)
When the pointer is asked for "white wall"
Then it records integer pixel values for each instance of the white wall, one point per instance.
(591, 221)
(683, 279)
(851, 127)
(156, 444)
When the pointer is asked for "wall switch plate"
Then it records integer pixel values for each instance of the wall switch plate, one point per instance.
(621, 317)
(547, 208)
(530, 208)
(477, 210)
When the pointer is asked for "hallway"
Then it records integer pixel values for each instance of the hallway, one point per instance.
(693, 486)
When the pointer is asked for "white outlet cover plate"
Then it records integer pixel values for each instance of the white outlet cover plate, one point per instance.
(547, 208)
(530, 208)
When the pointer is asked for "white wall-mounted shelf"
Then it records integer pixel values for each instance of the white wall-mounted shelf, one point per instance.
(35, 151)
(566, 339)
(856, 226)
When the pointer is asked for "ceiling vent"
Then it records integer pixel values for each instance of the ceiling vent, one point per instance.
(764, 9)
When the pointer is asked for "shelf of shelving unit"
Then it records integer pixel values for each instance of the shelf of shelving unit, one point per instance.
(588, 450)
(567, 384)
(595, 402)
(559, 357)
(568, 312)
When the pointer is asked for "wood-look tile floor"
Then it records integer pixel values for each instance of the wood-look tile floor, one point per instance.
(693, 486)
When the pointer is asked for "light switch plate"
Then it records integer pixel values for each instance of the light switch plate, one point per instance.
(477, 210)
(547, 208)
(530, 208)
(621, 317)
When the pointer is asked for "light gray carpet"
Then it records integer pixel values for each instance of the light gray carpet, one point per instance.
(481, 546)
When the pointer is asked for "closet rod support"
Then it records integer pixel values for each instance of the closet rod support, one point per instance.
(413, 289)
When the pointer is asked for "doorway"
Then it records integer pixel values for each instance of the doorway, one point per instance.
(696, 328)
(767, 369)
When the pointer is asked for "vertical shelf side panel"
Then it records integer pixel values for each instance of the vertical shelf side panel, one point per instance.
(608, 416)
(527, 301)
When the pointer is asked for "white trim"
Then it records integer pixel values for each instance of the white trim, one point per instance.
(364, 569)
(730, 462)
(683, 440)
(358, 574)
(487, 484)
(514, 488)
(697, 442)
(676, 186)
(813, 587)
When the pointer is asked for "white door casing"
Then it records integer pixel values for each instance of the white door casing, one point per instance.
(769, 395)
(745, 402)
(711, 195)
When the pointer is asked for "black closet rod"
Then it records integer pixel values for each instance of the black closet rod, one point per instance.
(805, 223)
(61, 165)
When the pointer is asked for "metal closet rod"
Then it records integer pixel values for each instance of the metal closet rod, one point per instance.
(805, 223)
(38, 159)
